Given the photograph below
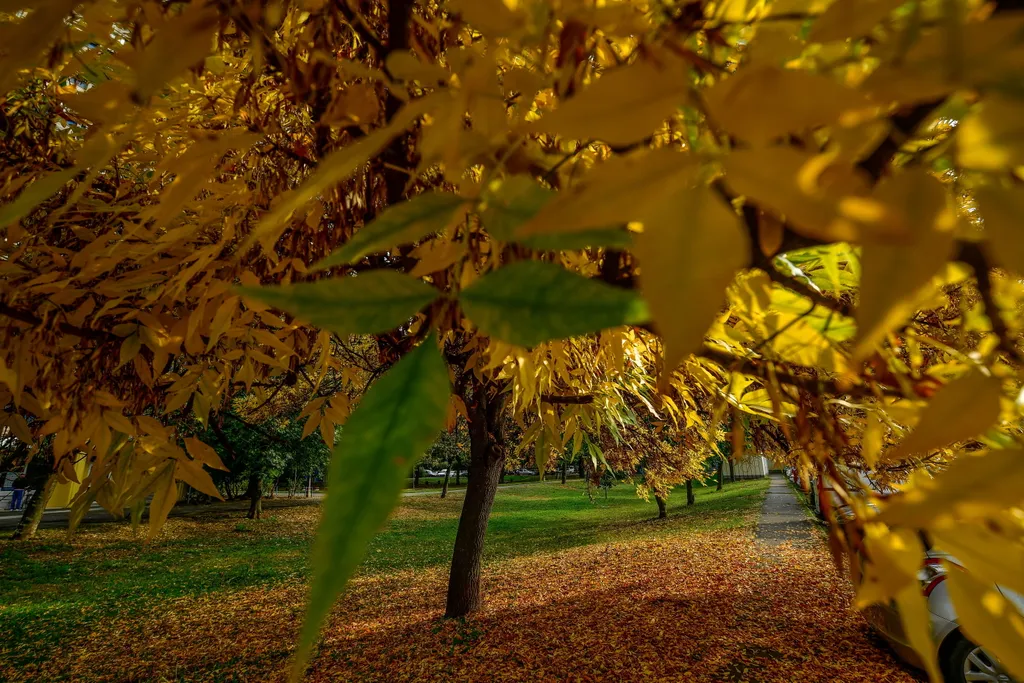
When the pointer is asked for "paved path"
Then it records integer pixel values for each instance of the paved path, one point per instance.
(58, 517)
(783, 517)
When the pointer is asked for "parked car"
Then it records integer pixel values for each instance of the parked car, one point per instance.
(960, 660)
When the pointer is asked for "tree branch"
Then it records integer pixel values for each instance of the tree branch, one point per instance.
(972, 254)
(66, 328)
(576, 400)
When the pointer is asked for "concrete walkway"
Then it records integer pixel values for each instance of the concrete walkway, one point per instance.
(783, 518)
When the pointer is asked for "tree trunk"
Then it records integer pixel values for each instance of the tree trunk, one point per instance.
(662, 507)
(458, 474)
(719, 487)
(732, 472)
(33, 513)
(501, 477)
(416, 477)
(255, 494)
(690, 500)
(486, 464)
(565, 466)
(447, 476)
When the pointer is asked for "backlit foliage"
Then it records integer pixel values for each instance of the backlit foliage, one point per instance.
(800, 210)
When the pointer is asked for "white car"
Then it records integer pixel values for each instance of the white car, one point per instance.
(961, 660)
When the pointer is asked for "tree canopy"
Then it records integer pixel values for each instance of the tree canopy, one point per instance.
(560, 213)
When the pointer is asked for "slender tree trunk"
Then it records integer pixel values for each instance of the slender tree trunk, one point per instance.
(719, 487)
(33, 513)
(458, 474)
(486, 463)
(662, 507)
(501, 477)
(565, 466)
(447, 476)
(255, 494)
(732, 472)
(416, 477)
(690, 499)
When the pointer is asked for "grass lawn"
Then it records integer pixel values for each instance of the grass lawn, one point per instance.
(437, 482)
(219, 598)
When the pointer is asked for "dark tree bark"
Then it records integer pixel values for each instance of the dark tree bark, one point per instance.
(732, 472)
(447, 476)
(255, 494)
(565, 466)
(720, 463)
(690, 499)
(33, 513)
(486, 463)
(458, 474)
(416, 477)
(662, 507)
(501, 477)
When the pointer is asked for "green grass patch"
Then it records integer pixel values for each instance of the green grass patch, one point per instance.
(54, 589)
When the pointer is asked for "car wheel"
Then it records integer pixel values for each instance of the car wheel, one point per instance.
(966, 662)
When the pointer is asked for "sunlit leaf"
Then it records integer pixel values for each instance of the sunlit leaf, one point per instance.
(988, 618)
(960, 410)
(683, 287)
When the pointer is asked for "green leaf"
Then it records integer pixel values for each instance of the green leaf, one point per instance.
(398, 418)
(531, 302)
(399, 224)
(367, 303)
(519, 199)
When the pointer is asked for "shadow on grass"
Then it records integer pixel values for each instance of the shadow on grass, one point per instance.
(53, 589)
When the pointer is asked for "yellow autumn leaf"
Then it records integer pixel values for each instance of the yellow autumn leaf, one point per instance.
(624, 105)
(850, 19)
(613, 193)
(991, 138)
(180, 42)
(893, 275)
(763, 102)
(972, 546)
(193, 474)
(988, 619)
(820, 199)
(873, 439)
(917, 625)
(684, 288)
(130, 348)
(1002, 209)
(960, 410)
(973, 486)
(165, 494)
(204, 454)
(895, 556)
